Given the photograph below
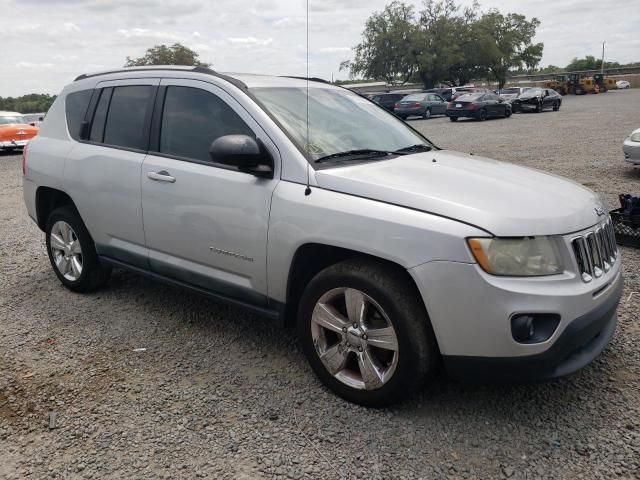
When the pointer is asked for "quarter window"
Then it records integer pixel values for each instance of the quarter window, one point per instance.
(100, 116)
(126, 117)
(192, 119)
(76, 105)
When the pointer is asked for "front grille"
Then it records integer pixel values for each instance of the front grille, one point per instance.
(595, 251)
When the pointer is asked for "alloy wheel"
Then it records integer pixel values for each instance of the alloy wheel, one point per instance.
(354, 338)
(66, 250)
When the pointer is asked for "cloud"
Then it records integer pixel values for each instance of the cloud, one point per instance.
(251, 40)
(335, 50)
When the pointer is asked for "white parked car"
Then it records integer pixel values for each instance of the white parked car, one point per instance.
(387, 255)
(631, 147)
(622, 84)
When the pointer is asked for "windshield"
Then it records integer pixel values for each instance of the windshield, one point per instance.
(532, 91)
(339, 120)
(13, 119)
(416, 97)
(509, 91)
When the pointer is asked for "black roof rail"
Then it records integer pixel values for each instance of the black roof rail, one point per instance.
(311, 79)
(197, 69)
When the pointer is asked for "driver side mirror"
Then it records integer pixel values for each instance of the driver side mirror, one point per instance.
(246, 153)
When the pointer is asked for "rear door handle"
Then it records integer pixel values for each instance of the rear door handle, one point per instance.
(161, 176)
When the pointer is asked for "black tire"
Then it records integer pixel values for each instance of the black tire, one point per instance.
(403, 117)
(395, 293)
(507, 112)
(94, 274)
(539, 107)
(482, 116)
(453, 119)
(427, 114)
(556, 106)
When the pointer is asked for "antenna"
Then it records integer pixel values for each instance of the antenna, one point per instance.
(307, 191)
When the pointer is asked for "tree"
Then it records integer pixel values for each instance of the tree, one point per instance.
(505, 43)
(589, 63)
(386, 51)
(32, 103)
(176, 54)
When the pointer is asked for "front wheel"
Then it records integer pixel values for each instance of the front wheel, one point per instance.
(556, 106)
(366, 333)
(72, 252)
(427, 114)
(507, 112)
(453, 119)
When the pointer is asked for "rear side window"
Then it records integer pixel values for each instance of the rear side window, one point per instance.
(126, 117)
(100, 116)
(192, 119)
(76, 105)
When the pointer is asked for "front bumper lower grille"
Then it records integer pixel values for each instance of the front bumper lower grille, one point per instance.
(595, 251)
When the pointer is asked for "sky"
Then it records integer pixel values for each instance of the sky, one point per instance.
(44, 44)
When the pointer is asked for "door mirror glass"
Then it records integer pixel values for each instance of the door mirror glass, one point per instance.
(244, 152)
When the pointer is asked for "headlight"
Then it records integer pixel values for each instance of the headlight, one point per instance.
(518, 257)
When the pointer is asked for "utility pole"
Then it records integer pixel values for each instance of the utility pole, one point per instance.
(602, 65)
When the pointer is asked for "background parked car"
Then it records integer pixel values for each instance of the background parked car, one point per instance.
(631, 147)
(623, 84)
(15, 131)
(479, 106)
(34, 119)
(511, 93)
(420, 104)
(386, 100)
(536, 100)
(445, 93)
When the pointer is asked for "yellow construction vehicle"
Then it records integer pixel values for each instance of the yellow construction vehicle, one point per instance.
(559, 84)
(604, 83)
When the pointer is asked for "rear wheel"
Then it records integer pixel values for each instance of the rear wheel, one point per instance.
(556, 106)
(366, 333)
(482, 116)
(427, 114)
(72, 252)
(453, 119)
(507, 112)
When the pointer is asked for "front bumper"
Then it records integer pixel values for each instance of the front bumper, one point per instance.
(578, 345)
(13, 144)
(631, 152)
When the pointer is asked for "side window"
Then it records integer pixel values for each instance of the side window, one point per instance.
(126, 117)
(76, 105)
(192, 119)
(100, 116)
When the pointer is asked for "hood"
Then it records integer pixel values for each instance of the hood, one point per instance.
(528, 96)
(502, 198)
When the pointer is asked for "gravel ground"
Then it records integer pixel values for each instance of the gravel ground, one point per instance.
(219, 393)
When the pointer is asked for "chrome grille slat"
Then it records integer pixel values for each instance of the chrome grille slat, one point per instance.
(595, 251)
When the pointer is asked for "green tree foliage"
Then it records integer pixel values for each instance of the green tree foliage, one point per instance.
(589, 63)
(506, 43)
(32, 103)
(446, 44)
(386, 50)
(176, 54)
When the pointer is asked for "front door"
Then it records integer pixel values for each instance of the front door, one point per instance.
(205, 224)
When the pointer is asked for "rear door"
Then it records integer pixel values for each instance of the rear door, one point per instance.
(438, 105)
(205, 223)
(102, 172)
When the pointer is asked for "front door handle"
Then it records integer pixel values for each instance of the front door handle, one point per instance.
(161, 176)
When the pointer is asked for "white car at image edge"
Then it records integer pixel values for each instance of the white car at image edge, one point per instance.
(631, 147)
(622, 84)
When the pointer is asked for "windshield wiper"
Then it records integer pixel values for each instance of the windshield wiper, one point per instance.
(359, 154)
(420, 147)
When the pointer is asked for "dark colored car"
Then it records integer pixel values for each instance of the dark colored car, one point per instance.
(420, 105)
(536, 100)
(386, 100)
(479, 106)
(445, 93)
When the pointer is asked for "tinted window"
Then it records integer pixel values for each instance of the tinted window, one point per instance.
(76, 105)
(193, 119)
(100, 116)
(127, 113)
(490, 96)
(470, 97)
(416, 97)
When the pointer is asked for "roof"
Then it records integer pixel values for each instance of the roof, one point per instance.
(242, 80)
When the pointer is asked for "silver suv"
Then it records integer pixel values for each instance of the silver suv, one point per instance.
(388, 255)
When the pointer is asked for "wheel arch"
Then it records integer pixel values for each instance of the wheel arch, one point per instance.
(311, 258)
(47, 200)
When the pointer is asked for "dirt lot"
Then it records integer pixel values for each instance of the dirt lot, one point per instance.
(219, 393)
